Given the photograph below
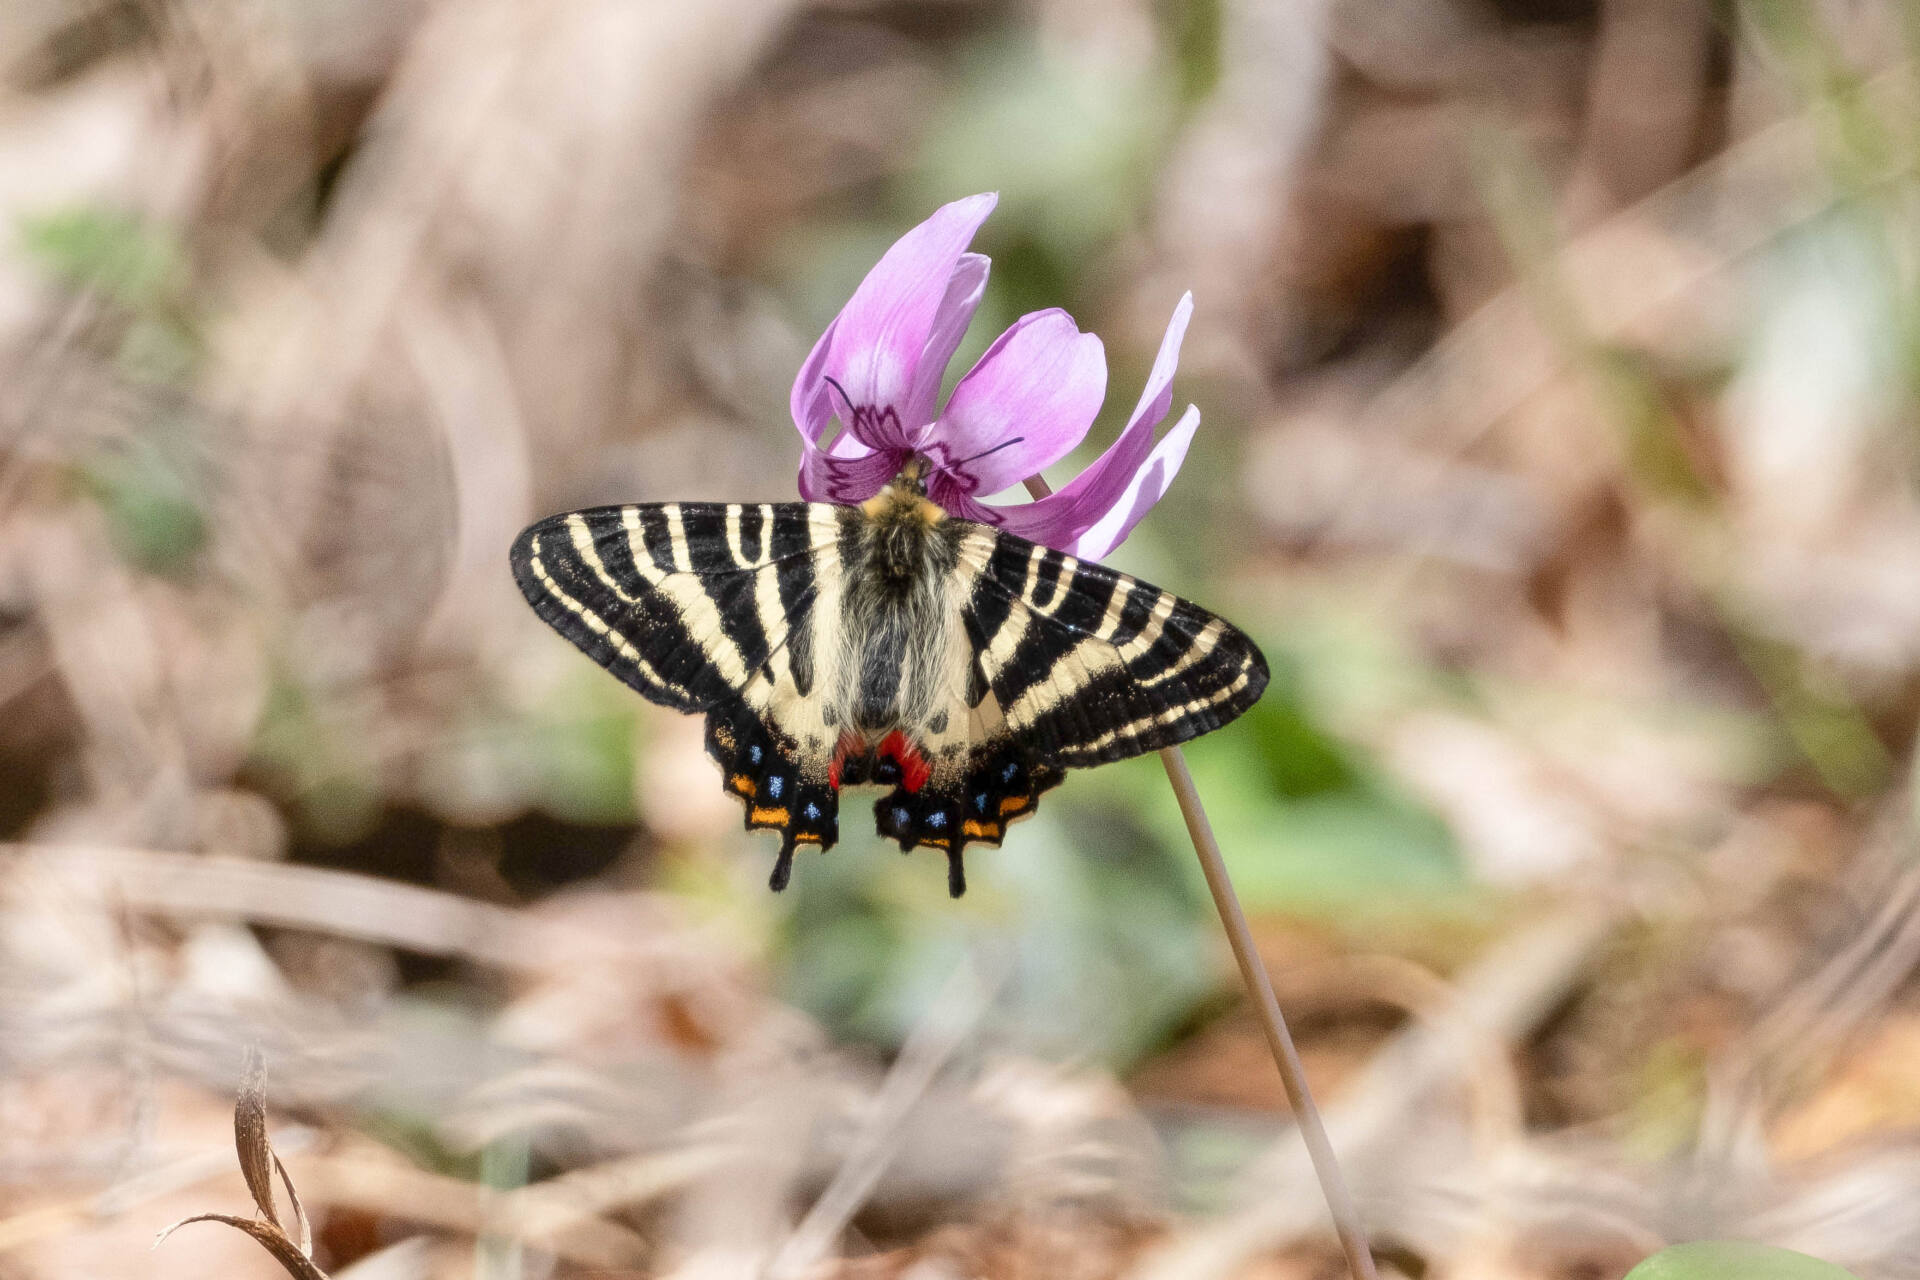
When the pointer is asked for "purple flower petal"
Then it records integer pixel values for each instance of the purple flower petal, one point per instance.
(884, 331)
(848, 481)
(1025, 405)
(1157, 398)
(964, 290)
(1115, 481)
(808, 401)
(1147, 487)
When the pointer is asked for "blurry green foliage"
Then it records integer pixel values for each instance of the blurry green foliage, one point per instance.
(148, 486)
(1066, 141)
(1195, 28)
(108, 251)
(1103, 951)
(133, 265)
(149, 481)
(576, 753)
(1734, 1260)
(1669, 1099)
(571, 756)
(330, 781)
(1859, 148)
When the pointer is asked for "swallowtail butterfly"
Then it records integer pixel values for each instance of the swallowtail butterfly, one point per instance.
(963, 668)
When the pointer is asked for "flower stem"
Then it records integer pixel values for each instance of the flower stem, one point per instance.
(1346, 1219)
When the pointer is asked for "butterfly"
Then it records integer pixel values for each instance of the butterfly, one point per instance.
(962, 667)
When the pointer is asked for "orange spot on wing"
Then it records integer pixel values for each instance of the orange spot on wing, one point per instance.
(980, 830)
(1014, 804)
(768, 817)
(742, 784)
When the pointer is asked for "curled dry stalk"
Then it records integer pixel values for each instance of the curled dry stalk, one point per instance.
(259, 1165)
(1293, 1075)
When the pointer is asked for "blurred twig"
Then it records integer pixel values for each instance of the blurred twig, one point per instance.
(341, 903)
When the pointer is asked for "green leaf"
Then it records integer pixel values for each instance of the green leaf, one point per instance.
(1734, 1260)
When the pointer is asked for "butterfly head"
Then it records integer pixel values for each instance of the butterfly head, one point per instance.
(913, 476)
(906, 497)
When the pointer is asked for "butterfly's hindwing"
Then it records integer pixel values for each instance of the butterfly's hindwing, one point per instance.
(781, 793)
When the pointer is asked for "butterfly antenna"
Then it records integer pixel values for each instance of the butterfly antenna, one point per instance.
(987, 453)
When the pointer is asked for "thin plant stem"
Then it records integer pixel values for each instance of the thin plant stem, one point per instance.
(1326, 1167)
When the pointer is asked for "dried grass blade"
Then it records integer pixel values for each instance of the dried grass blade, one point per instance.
(271, 1238)
(250, 1133)
(300, 1220)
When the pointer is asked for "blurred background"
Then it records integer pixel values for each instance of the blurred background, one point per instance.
(1560, 364)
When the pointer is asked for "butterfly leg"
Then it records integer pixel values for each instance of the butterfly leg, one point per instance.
(781, 788)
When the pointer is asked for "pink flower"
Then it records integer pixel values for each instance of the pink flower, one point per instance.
(1022, 407)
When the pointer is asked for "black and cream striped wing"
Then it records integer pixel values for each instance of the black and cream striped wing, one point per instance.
(1091, 666)
(1066, 665)
(709, 607)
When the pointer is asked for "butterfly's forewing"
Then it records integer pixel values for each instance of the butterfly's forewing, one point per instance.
(709, 607)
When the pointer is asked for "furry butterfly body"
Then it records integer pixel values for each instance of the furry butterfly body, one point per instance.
(961, 667)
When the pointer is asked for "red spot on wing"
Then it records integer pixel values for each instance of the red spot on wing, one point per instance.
(914, 767)
(850, 744)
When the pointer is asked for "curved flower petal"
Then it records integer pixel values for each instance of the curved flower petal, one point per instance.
(1148, 486)
(1026, 403)
(848, 481)
(1157, 397)
(808, 400)
(882, 334)
(1064, 518)
(962, 299)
